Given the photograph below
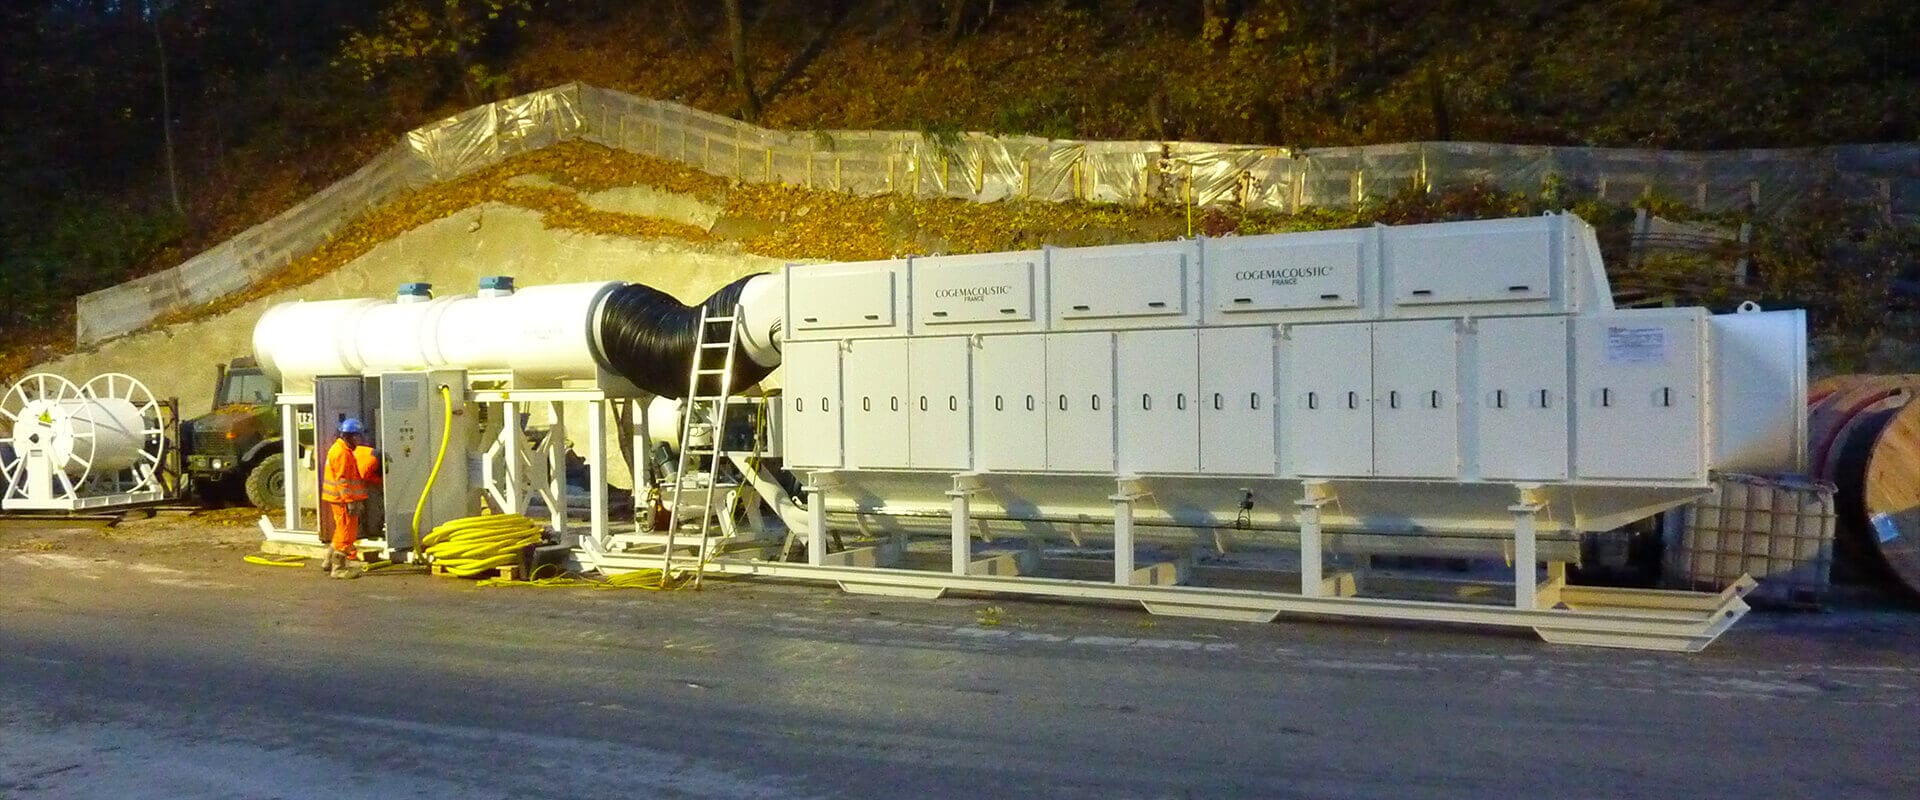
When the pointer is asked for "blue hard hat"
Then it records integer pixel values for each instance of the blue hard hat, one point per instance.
(351, 425)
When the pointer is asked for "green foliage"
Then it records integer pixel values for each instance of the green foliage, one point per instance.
(450, 35)
(87, 243)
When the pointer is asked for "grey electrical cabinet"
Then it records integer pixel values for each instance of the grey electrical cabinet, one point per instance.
(418, 410)
(1158, 376)
(812, 415)
(1010, 403)
(1236, 400)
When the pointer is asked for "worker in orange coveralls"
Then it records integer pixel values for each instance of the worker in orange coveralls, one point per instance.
(352, 469)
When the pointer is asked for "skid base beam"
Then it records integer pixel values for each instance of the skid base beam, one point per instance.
(1634, 619)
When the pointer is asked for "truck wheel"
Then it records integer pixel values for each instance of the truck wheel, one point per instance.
(267, 482)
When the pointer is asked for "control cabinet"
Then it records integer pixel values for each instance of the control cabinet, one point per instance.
(415, 415)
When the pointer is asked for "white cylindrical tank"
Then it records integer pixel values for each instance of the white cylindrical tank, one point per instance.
(541, 332)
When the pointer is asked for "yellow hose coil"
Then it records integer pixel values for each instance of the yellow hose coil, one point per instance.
(473, 546)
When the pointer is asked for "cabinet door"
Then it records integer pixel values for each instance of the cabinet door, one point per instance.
(1010, 398)
(940, 405)
(1236, 401)
(875, 377)
(811, 371)
(1158, 378)
(1521, 369)
(1080, 402)
(1330, 428)
(1640, 387)
(1416, 387)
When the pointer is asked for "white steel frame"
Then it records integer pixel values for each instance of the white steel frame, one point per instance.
(1557, 612)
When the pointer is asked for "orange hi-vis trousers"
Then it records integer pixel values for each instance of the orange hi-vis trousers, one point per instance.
(346, 527)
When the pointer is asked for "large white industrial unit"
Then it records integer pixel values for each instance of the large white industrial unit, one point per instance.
(69, 447)
(1459, 388)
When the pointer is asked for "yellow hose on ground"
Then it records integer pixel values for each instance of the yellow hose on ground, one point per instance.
(277, 561)
(446, 430)
(648, 579)
(473, 546)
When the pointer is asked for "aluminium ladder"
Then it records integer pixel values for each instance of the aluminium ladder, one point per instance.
(707, 393)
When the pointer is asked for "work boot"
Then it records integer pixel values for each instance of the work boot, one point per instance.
(326, 564)
(344, 568)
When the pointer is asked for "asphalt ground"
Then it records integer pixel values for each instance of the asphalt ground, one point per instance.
(156, 664)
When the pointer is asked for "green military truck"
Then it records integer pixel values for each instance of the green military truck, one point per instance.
(235, 448)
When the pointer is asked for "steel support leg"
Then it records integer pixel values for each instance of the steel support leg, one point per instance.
(642, 464)
(557, 470)
(962, 537)
(1526, 551)
(1122, 539)
(516, 449)
(290, 467)
(596, 471)
(1312, 557)
(964, 485)
(816, 520)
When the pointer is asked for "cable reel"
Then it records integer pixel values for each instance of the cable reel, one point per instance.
(67, 446)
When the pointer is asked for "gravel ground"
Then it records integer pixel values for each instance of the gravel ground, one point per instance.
(149, 661)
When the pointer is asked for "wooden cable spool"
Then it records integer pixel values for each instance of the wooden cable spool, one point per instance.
(1890, 501)
(1823, 387)
(1830, 416)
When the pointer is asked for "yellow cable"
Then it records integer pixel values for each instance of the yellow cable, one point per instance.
(277, 561)
(446, 430)
(471, 547)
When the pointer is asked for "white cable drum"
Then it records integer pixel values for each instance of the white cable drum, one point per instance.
(296, 341)
(59, 428)
(542, 332)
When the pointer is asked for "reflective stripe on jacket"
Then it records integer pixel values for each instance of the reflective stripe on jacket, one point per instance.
(340, 482)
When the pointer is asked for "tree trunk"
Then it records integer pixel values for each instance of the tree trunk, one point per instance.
(742, 68)
(1437, 98)
(956, 17)
(166, 119)
(836, 14)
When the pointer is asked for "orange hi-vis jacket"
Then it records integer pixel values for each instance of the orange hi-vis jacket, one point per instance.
(343, 481)
(369, 464)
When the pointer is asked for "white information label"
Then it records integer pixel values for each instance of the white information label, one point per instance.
(1636, 345)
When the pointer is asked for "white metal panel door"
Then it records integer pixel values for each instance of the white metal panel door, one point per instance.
(1640, 378)
(1520, 368)
(1080, 398)
(940, 404)
(811, 372)
(1236, 401)
(1330, 427)
(1010, 398)
(1416, 410)
(875, 377)
(1158, 376)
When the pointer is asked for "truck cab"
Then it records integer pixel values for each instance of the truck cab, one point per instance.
(235, 448)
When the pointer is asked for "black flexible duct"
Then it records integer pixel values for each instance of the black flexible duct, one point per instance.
(648, 337)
